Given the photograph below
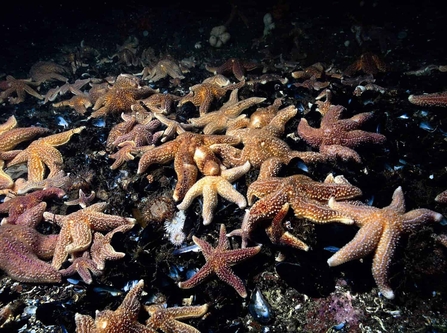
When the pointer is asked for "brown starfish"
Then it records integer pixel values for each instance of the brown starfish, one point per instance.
(306, 197)
(336, 137)
(191, 153)
(218, 261)
(236, 66)
(20, 87)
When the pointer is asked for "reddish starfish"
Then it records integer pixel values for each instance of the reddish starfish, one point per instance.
(218, 261)
(336, 137)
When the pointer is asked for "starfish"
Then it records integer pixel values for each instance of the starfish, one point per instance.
(84, 266)
(16, 206)
(43, 71)
(380, 231)
(102, 250)
(218, 261)
(167, 319)
(80, 103)
(305, 196)
(74, 88)
(191, 153)
(336, 137)
(23, 250)
(77, 228)
(172, 127)
(438, 99)
(11, 136)
(126, 152)
(210, 186)
(441, 197)
(141, 133)
(205, 93)
(161, 102)
(369, 63)
(237, 67)
(164, 68)
(124, 93)
(218, 121)
(123, 319)
(42, 152)
(20, 87)
(262, 146)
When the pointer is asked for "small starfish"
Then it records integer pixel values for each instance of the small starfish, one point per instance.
(380, 231)
(205, 93)
(80, 103)
(43, 71)
(218, 261)
(84, 266)
(236, 66)
(211, 186)
(77, 228)
(42, 152)
(164, 68)
(368, 63)
(20, 87)
(336, 137)
(124, 93)
(167, 319)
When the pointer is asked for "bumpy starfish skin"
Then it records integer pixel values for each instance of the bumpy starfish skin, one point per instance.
(18, 205)
(305, 196)
(123, 319)
(435, 99)
(20, 87)
(41, 152)
(336, 137)
(167, 319)
(205, 93)
(11, 136)
(262, 146)
(125, 92)
(218, 261)
(235, 66)
(218, 121)
(23, 251)
(191, 153)
(77, 228)
(380, 232)
(211, 186)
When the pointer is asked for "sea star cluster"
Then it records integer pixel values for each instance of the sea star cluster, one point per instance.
(212, 146)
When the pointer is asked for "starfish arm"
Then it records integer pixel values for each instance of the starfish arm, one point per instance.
(312, 136)
(60, 253)
(235, 173)
(227, 275)
(187, 172)
(344, 153)
(382, 260)
(131, 303)
(193, 192)
(45, 246)
(62, 138)
(177, 326)
(106, 222)
(232, 257)
(357, 137)
(207, 249)
(355, 210)
(84, 323)
(13, 137)
(365, 241)
(332, 116)
(81, 237)
(187, 312)
(417, 217)
(227, 191)
(260, 188)
(197, 278)
(210, 201)
(159, 155)
(398, 201)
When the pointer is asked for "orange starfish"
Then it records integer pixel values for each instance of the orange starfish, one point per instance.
(41, 153)
(20, 87)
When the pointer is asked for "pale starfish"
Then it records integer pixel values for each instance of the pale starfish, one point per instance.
(211, 186)
(380, 231)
